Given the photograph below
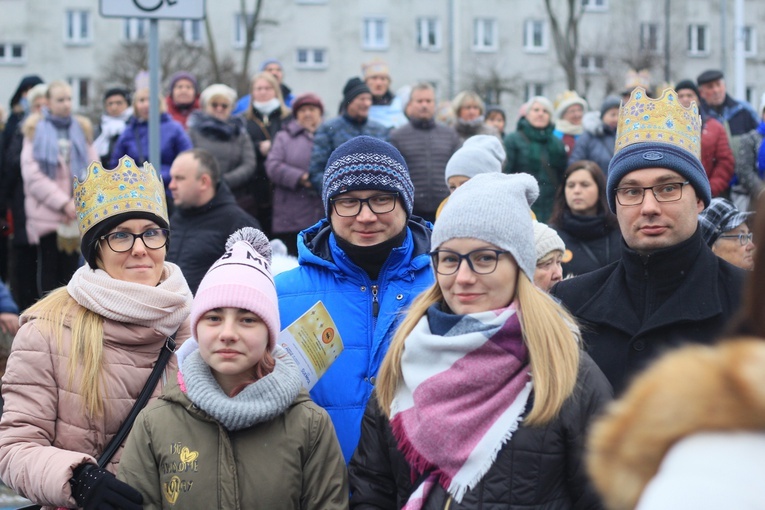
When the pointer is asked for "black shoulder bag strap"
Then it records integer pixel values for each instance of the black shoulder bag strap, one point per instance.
(140, 403)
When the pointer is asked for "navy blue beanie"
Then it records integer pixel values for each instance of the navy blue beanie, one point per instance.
(367, 163)
(653, 155)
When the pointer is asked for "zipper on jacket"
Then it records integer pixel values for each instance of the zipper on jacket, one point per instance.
(375, 303)
(448, 504)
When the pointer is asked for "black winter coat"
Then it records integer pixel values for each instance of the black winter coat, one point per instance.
(540, 468)
(635, 309)
(590, 243)
(198, 234)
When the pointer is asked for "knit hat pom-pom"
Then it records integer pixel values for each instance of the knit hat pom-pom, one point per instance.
(254, 238)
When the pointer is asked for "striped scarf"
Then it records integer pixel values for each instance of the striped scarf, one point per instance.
(467, 377)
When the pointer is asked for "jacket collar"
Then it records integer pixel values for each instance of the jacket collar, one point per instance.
(658, 289)
(317, 246)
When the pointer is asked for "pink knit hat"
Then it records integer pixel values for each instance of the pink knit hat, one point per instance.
(241, 278)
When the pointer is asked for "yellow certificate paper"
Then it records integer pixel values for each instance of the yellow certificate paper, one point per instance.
(313, 342)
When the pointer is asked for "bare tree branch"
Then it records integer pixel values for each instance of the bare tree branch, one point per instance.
(565, 35)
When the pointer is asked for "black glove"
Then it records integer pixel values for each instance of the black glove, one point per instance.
(95, 488)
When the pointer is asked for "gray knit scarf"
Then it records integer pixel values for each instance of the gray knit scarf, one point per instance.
(259, 402)
(46, 148)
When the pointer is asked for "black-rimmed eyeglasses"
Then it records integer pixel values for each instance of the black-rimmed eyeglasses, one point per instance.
(481, 261)
(743, 239)
(153, 239)
(634, 195)
(351, 206)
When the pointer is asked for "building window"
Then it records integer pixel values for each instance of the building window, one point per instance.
(591, 63)
(375, 34)
(240, 31)
(428, 34)
(650, 37)
(534, 35)
(11, 53)
(135, 29)
(595, 5)
(698, 43)
(80, 93)
(533, 89)
(485, 34)
(194, 32)
(77, 27)
(749, 33)
(311, 58)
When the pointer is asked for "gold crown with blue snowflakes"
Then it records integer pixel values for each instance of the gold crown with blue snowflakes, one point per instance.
(105, 193)
(663, 120)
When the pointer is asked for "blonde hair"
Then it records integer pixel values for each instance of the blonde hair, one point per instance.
(549, 332)
(467, 96)
(58, 311)
(277, 89)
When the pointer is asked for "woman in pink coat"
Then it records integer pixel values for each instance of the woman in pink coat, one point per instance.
(57, 146)
(85, 351)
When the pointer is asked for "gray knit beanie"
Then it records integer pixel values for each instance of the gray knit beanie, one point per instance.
(495, 208)
(546, 240)
(479, 154)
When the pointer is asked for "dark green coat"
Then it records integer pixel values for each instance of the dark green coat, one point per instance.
(540, 153)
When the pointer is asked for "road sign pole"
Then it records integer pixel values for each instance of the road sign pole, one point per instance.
(154, 95)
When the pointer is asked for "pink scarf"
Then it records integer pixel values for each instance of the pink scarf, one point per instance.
(462, 396)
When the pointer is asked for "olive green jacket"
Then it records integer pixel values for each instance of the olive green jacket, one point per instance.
(179, 457)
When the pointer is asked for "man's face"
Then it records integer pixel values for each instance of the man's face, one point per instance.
(654, 225)
(115, 105)
(713, 92)
(686, 96)
(185, 183)
(422, 104)
(378, 84)
(275, 70)
(358, 108)
(368, 228)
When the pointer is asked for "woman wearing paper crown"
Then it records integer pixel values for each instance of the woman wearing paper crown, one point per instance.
(85, 351)
(238, 426)
(484, 397)
(57, 146)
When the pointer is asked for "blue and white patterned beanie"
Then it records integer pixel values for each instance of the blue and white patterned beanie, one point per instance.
(367, 163)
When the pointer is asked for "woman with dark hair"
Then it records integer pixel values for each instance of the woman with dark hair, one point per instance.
(583, 220)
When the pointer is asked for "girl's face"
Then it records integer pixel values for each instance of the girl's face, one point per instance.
(60, 101)
(232, 341)
(497, 120)
(262, 91)
(141, 104)
(466, 291)
(582, 193)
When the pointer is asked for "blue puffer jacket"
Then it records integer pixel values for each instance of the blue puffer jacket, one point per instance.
(134, 142)
(326, 274)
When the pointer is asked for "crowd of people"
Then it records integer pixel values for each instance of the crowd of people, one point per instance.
(495, 290)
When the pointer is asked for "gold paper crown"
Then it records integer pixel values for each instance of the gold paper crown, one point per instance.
(128, 188)
(567, 96)
(663, 120)
(636, 78)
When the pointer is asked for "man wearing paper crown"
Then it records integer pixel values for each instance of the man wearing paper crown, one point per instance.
(668, 287)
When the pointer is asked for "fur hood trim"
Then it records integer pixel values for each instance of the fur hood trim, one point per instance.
(691, 390)
(591, 123)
